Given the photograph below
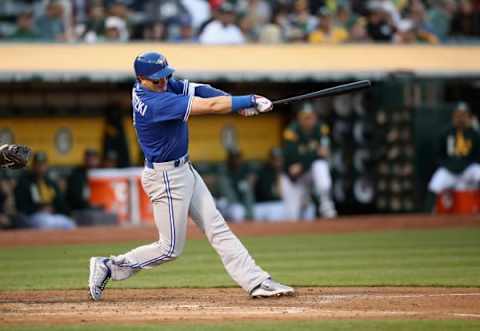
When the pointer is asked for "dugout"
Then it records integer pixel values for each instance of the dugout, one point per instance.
(65, 98)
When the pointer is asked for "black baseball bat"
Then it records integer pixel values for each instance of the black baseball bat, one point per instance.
(328, 92)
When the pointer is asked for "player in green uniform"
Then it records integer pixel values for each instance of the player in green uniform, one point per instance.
(457, 156)
(306, 152)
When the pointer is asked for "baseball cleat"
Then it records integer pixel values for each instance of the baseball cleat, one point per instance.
(270, 288)
(100, 273)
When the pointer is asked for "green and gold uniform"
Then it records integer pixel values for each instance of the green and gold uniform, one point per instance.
(302, 147)
(458, 149)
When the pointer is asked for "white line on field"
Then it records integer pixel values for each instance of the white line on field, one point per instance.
(467, 315)
(381, 296)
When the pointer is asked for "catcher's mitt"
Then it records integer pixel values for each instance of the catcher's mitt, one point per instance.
(14, 156)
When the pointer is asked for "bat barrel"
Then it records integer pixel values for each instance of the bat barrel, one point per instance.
(328, 92)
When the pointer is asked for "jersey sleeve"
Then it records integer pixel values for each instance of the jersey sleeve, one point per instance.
(185, 87)
(203, 90)
(172, 107)
(178, 86)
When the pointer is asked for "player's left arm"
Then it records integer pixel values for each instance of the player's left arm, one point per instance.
(204, 90)
(186, 87)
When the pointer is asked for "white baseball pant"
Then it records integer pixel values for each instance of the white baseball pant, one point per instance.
(176, 192)
(443, 179)
(296, 195)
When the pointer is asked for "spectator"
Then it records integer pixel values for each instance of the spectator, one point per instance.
(344, 17)
(358, 32)
(95, 25)
(78, 194)
(154, 31)
(276, 31)
(223, 29)
(269, 205)
(115, 29)
(167, 16)
(51, 26)
(40, 198)
(418, 19)
(440, 16)
(236, 189)
(255, 14)
(326, 32)
(380, 27)
(7, 219)
(458, 155)
(199, 10)
(465, 22)
(110, 159)
(302, 23)
(306, 151)
(25, 30)
(180, 29)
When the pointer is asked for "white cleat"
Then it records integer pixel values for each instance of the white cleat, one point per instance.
(99, 275)
(270, 288)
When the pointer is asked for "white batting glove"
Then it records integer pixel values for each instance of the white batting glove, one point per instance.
(248, 112)
(262, 104)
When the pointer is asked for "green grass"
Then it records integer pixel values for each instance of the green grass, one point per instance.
(276, 326)
(415, 258)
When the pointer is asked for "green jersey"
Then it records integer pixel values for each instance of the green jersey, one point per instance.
(458, 149)
(302, 147)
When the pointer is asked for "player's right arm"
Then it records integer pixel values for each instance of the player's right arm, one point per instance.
(228, 104)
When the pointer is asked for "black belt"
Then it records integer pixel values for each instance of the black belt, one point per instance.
(176, 163)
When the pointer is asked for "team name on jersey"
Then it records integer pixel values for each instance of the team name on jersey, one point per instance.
(137, 104)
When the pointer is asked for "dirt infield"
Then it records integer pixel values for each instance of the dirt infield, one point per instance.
(340, 225)
(174, 305)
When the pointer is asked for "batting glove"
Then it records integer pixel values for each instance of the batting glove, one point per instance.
(262, 104)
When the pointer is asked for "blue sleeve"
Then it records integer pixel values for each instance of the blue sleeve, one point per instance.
(197, 89)
(171, 106)
(203, 90)
(207, 91)
(178, 86)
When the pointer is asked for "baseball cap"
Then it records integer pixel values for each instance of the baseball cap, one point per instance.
(40, 157)
(462, 106)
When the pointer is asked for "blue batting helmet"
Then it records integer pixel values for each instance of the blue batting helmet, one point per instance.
(152, 65)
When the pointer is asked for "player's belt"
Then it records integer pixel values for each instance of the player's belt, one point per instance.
(169, 164)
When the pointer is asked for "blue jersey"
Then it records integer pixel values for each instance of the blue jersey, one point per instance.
(160, 118)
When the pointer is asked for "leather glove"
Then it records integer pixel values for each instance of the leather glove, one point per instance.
(14, 156)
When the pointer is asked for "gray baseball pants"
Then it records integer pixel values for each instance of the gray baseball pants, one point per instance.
(175, 193)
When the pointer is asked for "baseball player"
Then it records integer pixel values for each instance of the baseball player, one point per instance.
(14, 156)
(162, 106)
(458, 156)
(306, 150)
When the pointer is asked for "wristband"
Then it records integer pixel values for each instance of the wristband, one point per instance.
(242, 102)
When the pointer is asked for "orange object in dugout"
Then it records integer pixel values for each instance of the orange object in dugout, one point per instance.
(458, 202)
(120, 192)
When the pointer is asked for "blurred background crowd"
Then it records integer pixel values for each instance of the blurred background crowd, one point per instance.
(241, 21)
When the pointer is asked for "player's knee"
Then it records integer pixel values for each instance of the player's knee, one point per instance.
(169, 250)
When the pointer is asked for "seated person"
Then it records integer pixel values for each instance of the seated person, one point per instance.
(40, 199)
(458, 154)
(269, 205)
(78, 193)
(306, 152)
(236, 189)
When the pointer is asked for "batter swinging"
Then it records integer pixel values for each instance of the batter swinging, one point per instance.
(161, 108)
